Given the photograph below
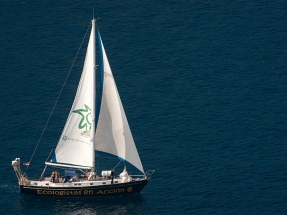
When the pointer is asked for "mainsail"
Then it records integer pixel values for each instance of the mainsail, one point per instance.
(76, 144)
(113, 134)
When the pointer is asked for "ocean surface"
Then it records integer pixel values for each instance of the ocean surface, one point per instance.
(203, 84)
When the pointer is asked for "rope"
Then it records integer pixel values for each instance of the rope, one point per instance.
(117, 165)
(57, 99)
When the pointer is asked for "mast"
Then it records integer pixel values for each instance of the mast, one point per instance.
(93, 33)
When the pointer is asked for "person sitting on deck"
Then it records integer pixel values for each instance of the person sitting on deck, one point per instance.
(54, 176)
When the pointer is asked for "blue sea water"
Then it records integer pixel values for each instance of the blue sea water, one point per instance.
(203, 84)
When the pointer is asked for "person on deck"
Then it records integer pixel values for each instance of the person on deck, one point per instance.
(54, 176)
(112, 175)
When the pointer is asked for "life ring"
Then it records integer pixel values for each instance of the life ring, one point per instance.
(23, 180)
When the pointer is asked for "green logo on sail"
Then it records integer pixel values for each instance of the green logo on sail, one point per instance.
(85, 113)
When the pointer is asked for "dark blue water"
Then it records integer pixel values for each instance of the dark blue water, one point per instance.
(203, 84)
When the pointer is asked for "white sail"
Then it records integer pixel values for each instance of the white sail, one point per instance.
(76, 145)
(113, 134)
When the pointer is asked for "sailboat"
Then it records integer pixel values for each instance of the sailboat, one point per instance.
(92, 127)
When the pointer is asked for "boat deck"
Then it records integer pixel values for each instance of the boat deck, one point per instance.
(99, 181)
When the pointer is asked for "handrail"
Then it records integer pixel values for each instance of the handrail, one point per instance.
(149, 173)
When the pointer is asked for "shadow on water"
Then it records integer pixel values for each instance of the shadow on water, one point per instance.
(131, 204)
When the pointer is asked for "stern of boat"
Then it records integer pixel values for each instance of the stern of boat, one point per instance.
(22, 178)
